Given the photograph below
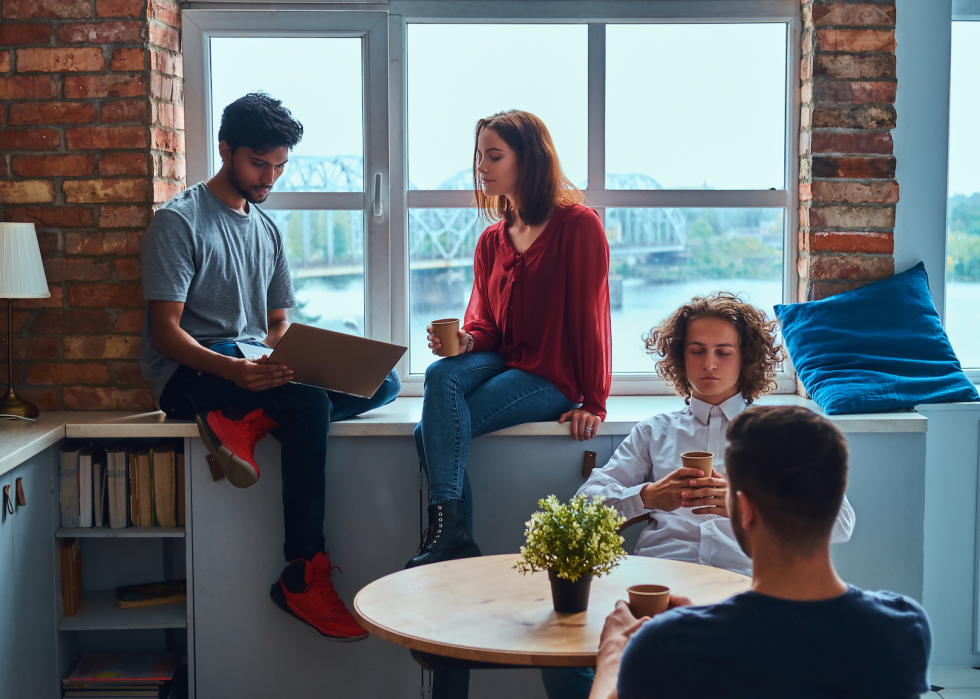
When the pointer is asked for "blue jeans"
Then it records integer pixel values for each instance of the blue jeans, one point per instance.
(304, 414)
(467, 396)
(567, 682)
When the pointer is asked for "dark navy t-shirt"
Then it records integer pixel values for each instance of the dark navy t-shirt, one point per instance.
(752, 646)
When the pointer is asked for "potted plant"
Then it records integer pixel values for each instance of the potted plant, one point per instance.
(573, 542)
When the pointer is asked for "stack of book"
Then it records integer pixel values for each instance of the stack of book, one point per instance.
(106, 676)
(124, 486)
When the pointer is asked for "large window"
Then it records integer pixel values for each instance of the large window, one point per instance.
(680, 132)
(963, 214)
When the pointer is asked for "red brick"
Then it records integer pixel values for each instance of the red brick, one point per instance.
(98, 191)
(124, 217)
(853, 40)
(854, 67)
(21, 87)
(55, 300)
(853, 192)
(123, 110)
(806, 193)
(171, 141)
(814, 291)
(85, 398)
(806, 113)
(166, 62)
(60, 60)
(119, 8)
(857, 15)
(59, 269)
(856, 92)
(857, 116)
(51, 113)
(163, 36)
(101, 33)
(20, 317)
(13, 34)
(57, 322)
(105, 295)
(53, 217)
(169, 115)
(128, 372)
(848, 241)
(26, 192)
(4, 61)
(35, 9)
(858, 268)
(52, 165)
(102, 137)
(164, 11)
(134, 239)
(104, 86)
(173, 167)
(128, 269)
(92, 244)
(123, 164)
(129, 322)
(47, 243)
(852, 216)
(102, 347)
(66, 373)
(127, 59)
(164, 87)
(806, 68)
(165, 191)
(843, 142)
(31, 139)
(43, 398)
(880, 168)
(35, 348)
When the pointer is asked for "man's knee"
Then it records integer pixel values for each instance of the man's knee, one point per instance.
(391, 386)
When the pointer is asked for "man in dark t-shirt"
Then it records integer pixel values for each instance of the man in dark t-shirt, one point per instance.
(800, 629)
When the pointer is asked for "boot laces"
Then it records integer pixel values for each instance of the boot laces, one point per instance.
(429, 538)
(321, 585)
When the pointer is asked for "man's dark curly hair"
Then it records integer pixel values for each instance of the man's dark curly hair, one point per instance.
(756, 341)
(259, 122)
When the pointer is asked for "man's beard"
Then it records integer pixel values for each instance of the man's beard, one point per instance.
(735, 516)
(246, 194)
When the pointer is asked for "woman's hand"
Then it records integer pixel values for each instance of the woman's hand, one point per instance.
(709, 496)
(584, 425)
(465, 341)
(667, 493)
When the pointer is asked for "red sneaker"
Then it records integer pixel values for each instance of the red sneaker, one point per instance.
(304, 590)
(232, 442)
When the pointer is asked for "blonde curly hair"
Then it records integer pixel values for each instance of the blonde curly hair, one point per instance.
(756, 340)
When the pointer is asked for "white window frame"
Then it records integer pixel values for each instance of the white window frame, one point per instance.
(388, 298)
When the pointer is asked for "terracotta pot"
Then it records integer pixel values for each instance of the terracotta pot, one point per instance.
(570, 597)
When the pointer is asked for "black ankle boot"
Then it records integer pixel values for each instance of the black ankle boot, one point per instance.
(448, 536)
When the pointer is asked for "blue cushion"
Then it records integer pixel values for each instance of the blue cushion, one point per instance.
(875, 349)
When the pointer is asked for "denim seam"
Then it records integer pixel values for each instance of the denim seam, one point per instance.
(456, 379)
(513, 402)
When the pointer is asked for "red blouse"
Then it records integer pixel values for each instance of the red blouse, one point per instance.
(546, 311)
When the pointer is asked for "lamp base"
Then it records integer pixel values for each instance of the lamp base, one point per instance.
(12, 404)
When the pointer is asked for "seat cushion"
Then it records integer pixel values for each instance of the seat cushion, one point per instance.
(878, 348)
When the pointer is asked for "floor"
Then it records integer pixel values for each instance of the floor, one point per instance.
(957, 683)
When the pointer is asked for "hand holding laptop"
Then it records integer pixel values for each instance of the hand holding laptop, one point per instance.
(258, 373)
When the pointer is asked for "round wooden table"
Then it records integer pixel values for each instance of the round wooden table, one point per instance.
(481, 610)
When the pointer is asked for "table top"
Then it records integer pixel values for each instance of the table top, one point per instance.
(480, 609)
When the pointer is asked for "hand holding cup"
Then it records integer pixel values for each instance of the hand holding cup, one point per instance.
(445, 337)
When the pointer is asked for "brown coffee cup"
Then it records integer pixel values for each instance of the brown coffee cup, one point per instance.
(648, 600)
(447, 330)
(698, 459)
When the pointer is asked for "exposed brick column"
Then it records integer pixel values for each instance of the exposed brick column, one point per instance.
(848, 190)
(91, 136)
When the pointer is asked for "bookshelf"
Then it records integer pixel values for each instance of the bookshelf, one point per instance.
(127, 533)
(99, 612)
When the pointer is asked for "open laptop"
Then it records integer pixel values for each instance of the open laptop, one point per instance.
(331, 360)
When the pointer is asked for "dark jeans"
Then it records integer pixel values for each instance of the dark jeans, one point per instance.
(304, 414)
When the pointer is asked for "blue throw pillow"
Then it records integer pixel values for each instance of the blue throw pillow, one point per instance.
(875, 349)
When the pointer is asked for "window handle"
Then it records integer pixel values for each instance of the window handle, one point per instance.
(379, 207)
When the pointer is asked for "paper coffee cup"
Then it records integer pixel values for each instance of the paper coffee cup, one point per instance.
(648, 600)
(698, 459)
(447, 330)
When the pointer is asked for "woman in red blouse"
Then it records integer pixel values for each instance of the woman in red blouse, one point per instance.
(535, 343)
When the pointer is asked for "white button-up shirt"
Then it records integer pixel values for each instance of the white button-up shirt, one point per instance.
(653, 451)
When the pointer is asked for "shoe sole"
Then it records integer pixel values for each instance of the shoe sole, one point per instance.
(472, 552)
(279, 599)
(239, 472)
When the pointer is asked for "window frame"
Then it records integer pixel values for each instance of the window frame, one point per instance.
(387, 302)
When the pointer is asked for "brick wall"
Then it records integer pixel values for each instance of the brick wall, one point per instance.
(848, 190)
(91, 137)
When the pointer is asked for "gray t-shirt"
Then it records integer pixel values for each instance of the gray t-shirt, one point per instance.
(228, 269)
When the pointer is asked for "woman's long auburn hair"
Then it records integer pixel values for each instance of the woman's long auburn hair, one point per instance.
(541, 183)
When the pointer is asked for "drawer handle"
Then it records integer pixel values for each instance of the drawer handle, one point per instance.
(21, 499)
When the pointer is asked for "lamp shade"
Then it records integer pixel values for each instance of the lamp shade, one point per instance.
(21, 271)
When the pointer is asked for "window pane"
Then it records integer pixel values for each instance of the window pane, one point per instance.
(660, 258)
(459, 73)
(963, 223)
(330, 158)
(441, 243)
(695, 106)
(326, 259)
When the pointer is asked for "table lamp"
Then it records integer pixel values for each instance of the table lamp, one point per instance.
(21, 277)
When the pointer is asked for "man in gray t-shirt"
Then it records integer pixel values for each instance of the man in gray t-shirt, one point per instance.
(215, 273)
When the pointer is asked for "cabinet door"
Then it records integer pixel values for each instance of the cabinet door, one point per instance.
(32, 620)
(8, 602)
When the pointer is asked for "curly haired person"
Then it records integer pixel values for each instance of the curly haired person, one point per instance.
(720, 354)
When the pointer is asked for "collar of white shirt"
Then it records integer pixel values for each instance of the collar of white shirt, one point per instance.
(731, 407)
